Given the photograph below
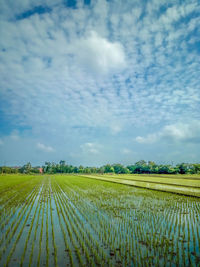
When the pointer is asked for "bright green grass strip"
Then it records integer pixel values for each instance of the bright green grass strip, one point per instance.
(15, 181)
(161, 180)
(172, 188)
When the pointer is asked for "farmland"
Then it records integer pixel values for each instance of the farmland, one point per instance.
(71, 220)
(180, 184)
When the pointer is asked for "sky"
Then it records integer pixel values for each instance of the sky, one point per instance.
(94, 81)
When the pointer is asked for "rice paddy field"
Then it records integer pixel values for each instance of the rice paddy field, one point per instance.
(180, 184)
(69, 220)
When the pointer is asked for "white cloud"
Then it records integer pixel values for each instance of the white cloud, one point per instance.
(149, 139)
(92, 148)
(115, 128)
(51, 51)
(99, 55)
(15, 135)
(126, 151)
(187, 132)
(177, 11)
(44, 148)
(109, 67)
(178, 132)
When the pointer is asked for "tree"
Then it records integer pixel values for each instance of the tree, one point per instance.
(164, 169)
(119, 168)
(152, 166)
(80, 169)
(47, 167)
(132, 168)
(87, 170)
(75, 170)
(108, 168)
(62, 166)
(26, 168)
(101, 170)
(6, 169)
(141, 167)
(182, 168)
(196, 167)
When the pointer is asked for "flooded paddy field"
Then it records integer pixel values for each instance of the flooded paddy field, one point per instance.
(63, 220)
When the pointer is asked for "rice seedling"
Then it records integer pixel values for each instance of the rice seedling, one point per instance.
(15, 224)
(35, 235)
(19, 234)
(47, 228)
(29, 234)
(53, 236)
(97, 222)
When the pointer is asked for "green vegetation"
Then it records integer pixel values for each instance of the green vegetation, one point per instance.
(140, 167)
(174, 183)
(80, 221)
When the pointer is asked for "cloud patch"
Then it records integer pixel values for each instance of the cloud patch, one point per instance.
(126, 151)
(44, 148)
(178, 132)
(105, 71)
(99, 55)
(15, 135)
(91, 148)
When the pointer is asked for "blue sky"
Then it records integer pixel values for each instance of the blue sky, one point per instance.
(93, 82)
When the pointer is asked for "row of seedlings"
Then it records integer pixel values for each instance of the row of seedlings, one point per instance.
(9, 234)
(21, 223)
(79, 235)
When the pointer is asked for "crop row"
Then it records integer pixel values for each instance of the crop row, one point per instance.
(153, 232)
(83, 222)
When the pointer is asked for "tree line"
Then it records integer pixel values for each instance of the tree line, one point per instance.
(140, 167)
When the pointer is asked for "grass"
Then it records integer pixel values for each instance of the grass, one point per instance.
(81, 221)
(172, 180)
(186, 185)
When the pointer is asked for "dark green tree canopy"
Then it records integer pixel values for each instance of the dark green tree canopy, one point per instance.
(138, 167)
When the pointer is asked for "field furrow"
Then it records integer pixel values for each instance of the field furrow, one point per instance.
(63, 220)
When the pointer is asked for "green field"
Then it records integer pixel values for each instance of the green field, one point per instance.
(180, 184)
(69, 220)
